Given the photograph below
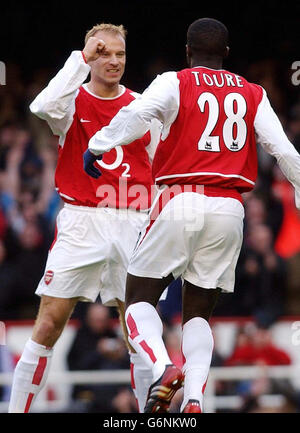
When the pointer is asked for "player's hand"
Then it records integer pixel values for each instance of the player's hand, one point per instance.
(89, 159)
(93, 48)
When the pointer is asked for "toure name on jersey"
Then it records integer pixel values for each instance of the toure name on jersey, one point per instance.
(219, 80)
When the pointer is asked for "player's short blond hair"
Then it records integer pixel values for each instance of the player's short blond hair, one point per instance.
(106, 27)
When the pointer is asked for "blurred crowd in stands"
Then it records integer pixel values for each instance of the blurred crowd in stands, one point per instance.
(268, 271)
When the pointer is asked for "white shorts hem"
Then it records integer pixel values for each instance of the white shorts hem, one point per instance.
(112, 302)
(142, 273)
(226, 288)
(54, 294)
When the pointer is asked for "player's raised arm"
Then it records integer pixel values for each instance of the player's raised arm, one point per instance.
(159, 101)
(56, 103)
(273, 139)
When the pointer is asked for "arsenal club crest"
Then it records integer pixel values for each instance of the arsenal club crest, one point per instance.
(48, 277)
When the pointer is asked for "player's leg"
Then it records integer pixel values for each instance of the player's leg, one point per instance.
(51, 319)
(145, 330)
(72, 272)
(141, 374)
(197, 342)
(212, 265)
(162, 250)
(32, 368)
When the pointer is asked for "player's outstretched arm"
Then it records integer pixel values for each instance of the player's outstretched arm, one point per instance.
(273, 139)
(159, 101)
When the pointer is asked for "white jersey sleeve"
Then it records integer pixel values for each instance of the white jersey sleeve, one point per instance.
(155, 133)
(159, 101)
(56, 103)
(271, 136)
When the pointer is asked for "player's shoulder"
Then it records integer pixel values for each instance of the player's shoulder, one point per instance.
(250, 84)
(185, 71)
(253, 89)
(246, 83)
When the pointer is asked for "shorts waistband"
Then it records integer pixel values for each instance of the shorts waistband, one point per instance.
(215, 191)
(103, 209)
(208, 190)
(81, 208)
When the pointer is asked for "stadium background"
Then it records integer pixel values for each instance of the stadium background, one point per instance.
(256, 325)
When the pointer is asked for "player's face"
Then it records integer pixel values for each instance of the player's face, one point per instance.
(110, 65)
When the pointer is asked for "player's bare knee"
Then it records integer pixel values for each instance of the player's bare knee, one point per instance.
(198, 302)
(142, 289)
(47, 330)
(52, 316)
(49, 324)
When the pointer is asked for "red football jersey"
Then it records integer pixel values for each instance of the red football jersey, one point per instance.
(123, 168)
(212, 141)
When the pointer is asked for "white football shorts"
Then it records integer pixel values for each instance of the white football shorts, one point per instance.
(193, 236)
(91, 253)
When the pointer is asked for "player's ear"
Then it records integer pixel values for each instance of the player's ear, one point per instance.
(226, 54)
(188, 53)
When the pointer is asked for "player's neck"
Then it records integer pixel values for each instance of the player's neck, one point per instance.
(103, 90)
(208, 63)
